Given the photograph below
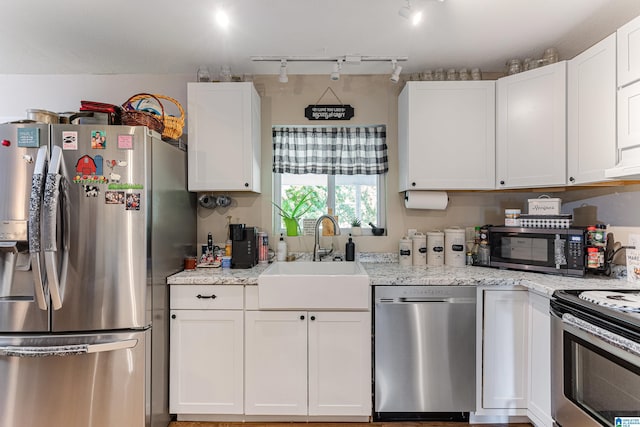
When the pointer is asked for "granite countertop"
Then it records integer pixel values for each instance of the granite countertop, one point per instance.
(383, 269)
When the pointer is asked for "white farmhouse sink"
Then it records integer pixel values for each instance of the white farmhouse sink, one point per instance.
(307, 285)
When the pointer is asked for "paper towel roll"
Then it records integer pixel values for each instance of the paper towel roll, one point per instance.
(426, 200)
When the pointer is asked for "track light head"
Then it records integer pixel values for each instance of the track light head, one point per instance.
(395, 75)
(283, 78)
(337, 67)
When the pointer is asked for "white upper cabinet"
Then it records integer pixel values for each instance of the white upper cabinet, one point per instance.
(531, 143)
(224, 137)
(629, 53)
(628, 153)
(446, 135)
(591, 113)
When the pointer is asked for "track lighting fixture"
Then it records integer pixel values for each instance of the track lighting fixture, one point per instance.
(395, 74)
(337, 67)
(283, 78)
(415, 16)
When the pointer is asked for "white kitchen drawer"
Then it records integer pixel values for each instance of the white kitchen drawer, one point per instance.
(207, 297)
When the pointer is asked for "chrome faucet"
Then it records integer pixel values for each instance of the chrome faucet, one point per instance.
(319, 252)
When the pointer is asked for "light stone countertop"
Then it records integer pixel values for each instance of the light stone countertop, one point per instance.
(383, 269)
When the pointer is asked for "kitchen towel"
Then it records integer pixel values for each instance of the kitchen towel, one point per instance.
(436, 200)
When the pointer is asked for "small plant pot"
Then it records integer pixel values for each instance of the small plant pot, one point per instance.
(292, 226)
(356, 231)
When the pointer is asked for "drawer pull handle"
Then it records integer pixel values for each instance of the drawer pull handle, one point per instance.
(212, 296)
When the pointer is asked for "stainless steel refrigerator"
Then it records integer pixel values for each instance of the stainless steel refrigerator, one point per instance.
(93, 219)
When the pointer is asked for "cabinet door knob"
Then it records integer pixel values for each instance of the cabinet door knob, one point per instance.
(413, 184)
(246, 184)
(501, 182)
(572, 179)
(313, 317)
(301, 317)
(212, 296)
(173, 316)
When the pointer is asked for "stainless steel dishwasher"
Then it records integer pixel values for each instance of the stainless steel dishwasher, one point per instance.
(424, 352)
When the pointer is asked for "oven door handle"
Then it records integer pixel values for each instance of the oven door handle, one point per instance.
(601, 334)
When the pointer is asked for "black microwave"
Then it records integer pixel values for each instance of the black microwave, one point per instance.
(543, 250)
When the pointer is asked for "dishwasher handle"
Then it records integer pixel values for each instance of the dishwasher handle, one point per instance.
(426, 300)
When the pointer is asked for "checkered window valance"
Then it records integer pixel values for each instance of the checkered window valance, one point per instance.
(330, 150)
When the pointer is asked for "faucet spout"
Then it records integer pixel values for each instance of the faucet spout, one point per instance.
(317, 250)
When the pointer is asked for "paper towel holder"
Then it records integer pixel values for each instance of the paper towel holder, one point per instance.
(406, 198)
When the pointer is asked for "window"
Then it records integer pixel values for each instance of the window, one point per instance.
(348, 196)
(343, 169)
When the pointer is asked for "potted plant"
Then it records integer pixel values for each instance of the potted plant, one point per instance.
(294, 211)
(356, 229)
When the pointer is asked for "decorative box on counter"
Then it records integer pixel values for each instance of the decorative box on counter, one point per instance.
(544, 205)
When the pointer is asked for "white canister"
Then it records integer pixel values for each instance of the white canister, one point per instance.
(404, 254)
(435, 248)
(454, 240)
(419, 247)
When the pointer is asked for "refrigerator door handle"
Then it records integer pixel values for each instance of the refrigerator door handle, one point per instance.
(55, 190)
(66, 350)
(35, 216)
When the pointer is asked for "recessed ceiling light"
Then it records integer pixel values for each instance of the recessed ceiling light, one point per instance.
(222, 19)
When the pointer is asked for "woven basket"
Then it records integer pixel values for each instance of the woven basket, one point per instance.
(172, 125)
(133, 117)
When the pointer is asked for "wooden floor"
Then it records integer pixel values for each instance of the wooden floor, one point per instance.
(380, 424)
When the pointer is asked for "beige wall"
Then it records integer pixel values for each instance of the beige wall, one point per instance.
(375, 101)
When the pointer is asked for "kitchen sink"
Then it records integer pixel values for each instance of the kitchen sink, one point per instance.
(307, 285)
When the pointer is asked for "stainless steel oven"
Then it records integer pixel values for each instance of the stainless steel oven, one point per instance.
(545, 250)
(595, 359)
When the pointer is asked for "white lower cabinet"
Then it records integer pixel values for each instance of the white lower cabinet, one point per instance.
(308, 363)
(515, 332)
(539, 405)
(340, 363)
(505, 350)
(276, 363)
(206, 350)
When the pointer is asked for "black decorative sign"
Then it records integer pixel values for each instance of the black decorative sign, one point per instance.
(329, 112)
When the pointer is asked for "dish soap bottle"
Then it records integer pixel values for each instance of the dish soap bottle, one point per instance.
(282, 249)
(350, 250)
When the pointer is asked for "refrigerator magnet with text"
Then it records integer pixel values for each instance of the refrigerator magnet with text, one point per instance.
(114, 197)
(98, 140)
(69, 140)
(133, 202)
(29, 137)
(125, 142)
(91, 190)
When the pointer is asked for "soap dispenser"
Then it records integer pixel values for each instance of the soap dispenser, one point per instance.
(350, 250)
(282, 249)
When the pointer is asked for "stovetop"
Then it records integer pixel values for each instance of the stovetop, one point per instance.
(613, 309)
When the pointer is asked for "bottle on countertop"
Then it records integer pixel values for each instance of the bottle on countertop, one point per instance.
(282, 249)
(484, 251)
(210, 243)
(350, 250)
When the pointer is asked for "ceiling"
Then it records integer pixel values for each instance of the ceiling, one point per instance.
(175, 37)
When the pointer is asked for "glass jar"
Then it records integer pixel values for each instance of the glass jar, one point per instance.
(452, 74)
(514, 66)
